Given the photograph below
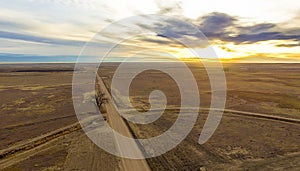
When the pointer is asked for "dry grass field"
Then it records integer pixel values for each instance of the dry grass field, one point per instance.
(240, 142)
(33, 101)
(37, 99)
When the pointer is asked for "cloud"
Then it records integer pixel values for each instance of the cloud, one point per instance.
(221, 26)
(228, 28)
(77, 3)
(38, 39)
(175, 30)
(289, 45)
(258, 28)
(169, 7)
(264, 36)
(49, 24)
(9, 25)
(215, 24)
(158, 41)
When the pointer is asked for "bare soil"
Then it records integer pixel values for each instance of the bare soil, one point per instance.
(37, 99)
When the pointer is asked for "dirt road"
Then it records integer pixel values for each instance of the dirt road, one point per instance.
(118, 124)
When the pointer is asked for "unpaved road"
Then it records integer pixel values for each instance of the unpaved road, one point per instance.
(118, 124)
(84, 155)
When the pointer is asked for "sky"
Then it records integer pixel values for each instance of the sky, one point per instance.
(238, 31)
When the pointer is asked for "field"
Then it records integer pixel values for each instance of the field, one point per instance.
(240, 142)
(37, 99)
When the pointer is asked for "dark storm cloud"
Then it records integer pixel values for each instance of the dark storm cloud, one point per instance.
(176, 30)
(215, 24)
(212, 25)
(252, 38)
(172, 32)
(221, 26)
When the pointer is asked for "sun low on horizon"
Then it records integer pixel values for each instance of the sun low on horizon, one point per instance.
(263, 31)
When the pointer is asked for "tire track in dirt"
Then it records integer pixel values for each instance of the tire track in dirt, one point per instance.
(37, 122)
(37, 141)
(248, 114)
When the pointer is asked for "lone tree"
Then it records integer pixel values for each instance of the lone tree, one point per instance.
(101, 99)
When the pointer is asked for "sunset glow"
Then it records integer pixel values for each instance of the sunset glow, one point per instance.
(266, 30)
